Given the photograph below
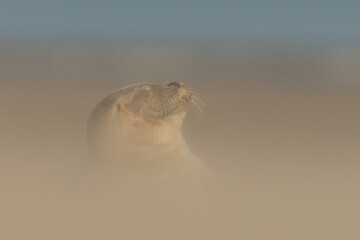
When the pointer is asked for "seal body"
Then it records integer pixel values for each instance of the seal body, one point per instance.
(139, 127)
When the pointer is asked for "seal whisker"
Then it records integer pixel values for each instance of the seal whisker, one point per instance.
(198, 103)
(127, 136)
(196, 107)
(129, 132)
(198, 100)
(196, 93)
(196, 110)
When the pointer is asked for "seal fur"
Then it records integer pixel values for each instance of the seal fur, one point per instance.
(140, 125)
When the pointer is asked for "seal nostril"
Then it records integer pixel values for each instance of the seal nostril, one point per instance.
(176, 84)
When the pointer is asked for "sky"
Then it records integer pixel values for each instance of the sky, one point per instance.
(197, 19)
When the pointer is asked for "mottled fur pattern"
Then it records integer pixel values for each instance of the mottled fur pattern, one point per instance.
(140, 125)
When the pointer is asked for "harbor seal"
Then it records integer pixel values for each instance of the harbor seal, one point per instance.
(139, 126)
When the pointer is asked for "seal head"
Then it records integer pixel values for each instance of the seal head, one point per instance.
(139, 118)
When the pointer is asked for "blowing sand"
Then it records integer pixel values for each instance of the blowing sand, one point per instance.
(284, 160)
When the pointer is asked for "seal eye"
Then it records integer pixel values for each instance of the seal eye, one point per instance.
(140, 96)
(176, 84)
(138, 101)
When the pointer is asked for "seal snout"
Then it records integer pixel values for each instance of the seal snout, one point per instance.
(182, 89)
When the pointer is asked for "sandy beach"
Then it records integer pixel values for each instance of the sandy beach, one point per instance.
(280, 132)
